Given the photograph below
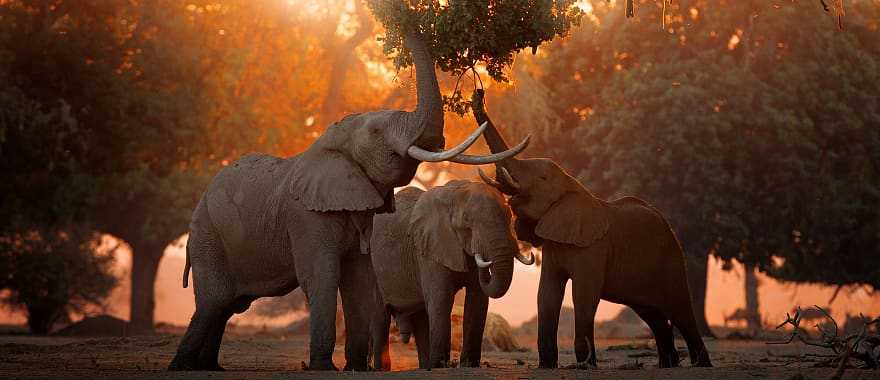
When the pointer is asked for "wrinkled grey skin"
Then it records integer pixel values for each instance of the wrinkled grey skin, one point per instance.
(622, 251)
(424, 253)
(267, 225)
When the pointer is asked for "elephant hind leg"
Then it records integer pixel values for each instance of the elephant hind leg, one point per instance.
(683, 319)
(662, 330)
(214, 296)
(422, 333)
(210, 353)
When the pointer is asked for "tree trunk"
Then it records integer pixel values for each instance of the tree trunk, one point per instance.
(753, 314)
(144, 266)
(697, 273)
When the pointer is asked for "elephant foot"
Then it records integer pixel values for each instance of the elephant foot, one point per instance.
(581, 365)
(547, 365)
(469, 363)
(211, 366)
(356, 367)
(322, 366)
(180, 363)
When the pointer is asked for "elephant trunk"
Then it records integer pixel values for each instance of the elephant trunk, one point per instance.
(496, 144)
(495, 280)
(424, 126)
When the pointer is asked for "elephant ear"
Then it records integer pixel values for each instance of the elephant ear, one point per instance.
(577, 219)
(430, 227)
(327, 180)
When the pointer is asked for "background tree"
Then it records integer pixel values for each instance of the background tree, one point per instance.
(51, 275)
(707, 120)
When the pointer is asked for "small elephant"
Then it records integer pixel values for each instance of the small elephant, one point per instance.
(454, 236)
(268, 225)
(622, 251)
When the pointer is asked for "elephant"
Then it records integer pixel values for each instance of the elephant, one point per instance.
(267, 225)
(438, 241)
(623, 251)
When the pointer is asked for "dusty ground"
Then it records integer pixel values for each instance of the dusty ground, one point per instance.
(250, 357)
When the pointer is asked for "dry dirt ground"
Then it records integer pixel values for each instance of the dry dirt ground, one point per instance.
(255, 357)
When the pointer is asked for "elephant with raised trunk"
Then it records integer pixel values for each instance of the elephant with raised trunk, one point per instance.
(268, 225)
(622, 251)
(455, 236)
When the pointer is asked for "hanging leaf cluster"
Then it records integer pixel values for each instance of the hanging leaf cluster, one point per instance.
(464, 34)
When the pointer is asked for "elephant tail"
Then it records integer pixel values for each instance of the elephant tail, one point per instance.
(186, 268)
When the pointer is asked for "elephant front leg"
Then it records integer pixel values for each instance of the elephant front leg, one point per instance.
(476, 305)
(585, 294)
(551, 290)
(357, 287)
(321, 291)
(439, 309)
(379, 330)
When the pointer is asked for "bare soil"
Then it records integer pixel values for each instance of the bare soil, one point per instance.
(254, 356)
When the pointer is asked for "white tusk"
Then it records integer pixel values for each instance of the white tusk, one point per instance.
(526, 260)
(492, 158)
(509, 179)
(480, 263)
(488, 180)
(427, 156)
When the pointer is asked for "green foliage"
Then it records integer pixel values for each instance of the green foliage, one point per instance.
(463, 34)
(52, 274)
(760, 148)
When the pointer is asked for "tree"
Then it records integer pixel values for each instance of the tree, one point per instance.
(708, 120)
(50, 275)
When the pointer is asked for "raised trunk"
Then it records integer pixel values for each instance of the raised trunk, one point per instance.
(424, 126)
(496, 284)
(144, 266)
(753, 315)
(493, 137)
(697, 271)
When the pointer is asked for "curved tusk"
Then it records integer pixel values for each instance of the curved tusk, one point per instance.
(509, 179)
(488, 180)
(427, 156)
(480, 262)
(526, 260)
(492, 158)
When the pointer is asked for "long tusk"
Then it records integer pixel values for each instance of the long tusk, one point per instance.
(480, 263)
(492, 158)
(526, 260)
(488, 180)
(509, 179)
(427, 156)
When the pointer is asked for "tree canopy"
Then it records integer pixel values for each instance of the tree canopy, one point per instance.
(748, 124)
(464, 34)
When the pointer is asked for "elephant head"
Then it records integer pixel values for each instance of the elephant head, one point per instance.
(357, 162)
(465, 221)
(549, 204)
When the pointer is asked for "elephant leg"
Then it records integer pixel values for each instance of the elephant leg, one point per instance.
(476, 305)
(357, 285)
(683, 318)
(439, 309)
(197, 336)
(585, 294)
(422, 334)
(551, 290)
(379, 329)
(667, 355)
(321, 292)
(213, 293)
(210, 353)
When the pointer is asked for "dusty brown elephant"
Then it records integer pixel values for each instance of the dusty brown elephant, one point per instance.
(268, 225)
(622, 251)
(454, 236)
